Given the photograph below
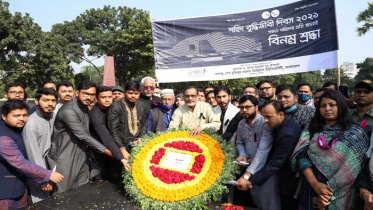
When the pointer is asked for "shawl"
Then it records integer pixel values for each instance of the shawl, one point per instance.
(340, 165)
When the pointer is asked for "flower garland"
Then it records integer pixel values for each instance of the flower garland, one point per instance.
(154, 183)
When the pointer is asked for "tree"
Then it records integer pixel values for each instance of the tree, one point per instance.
(365, 70)
(27, 54)
(331, 75)
(314, 78)
(90, 73)
(122, 32)
(366, 17)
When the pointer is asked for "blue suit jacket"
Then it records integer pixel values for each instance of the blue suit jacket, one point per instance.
(285, 139)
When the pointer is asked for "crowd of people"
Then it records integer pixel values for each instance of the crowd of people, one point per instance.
(297, 148)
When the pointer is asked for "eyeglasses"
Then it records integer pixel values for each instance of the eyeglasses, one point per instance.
(245, 107)
(264, 89)
(86, 95)
(148, 88)
(16, 93)
(190, 96)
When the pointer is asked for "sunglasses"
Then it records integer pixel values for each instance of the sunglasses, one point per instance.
(148, 88)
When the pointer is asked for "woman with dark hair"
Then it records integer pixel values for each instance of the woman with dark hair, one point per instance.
(330, 155)
(179, 100)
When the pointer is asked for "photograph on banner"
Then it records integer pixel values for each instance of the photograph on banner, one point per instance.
(297, 37)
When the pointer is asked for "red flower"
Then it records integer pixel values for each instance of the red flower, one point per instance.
(170, 177)
(184, 145)
(158, 156)
(198, 164)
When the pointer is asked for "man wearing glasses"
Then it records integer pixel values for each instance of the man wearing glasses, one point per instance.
(195, 115)
(16, 90)
(266, 90)
(250, 91)
(70, 139)
(147, 93)
(254, 141)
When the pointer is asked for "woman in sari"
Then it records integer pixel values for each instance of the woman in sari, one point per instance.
(330, 155)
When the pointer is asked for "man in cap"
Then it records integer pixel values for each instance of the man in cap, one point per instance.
(363, 96)
(159, 118)
(118, 93)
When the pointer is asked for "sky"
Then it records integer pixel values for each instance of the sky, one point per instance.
(46, 13)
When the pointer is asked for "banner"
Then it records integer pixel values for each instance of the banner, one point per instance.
(296, 37)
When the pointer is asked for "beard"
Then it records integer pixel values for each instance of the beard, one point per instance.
(191, 104)
(222, 104)
(268, 97)
(248, 116)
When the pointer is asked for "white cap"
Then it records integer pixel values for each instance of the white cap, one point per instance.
(165, 92)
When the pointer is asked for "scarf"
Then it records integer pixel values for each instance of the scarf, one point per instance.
(340, 164)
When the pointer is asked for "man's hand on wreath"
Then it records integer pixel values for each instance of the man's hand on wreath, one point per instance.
(137, 141)
(195, 132)
(125, 154)
(125, 164)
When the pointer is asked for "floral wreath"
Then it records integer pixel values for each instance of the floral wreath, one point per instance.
(171, 170)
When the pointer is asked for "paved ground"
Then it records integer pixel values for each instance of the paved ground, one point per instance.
(96, 195)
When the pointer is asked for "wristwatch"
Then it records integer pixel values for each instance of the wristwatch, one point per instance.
(247, 177)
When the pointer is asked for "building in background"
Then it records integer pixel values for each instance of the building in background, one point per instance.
(349, 69)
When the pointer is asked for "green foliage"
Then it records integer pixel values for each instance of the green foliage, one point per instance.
(122, 32)
(27, 54)
(365, 70)
(331, 75)
(200, 201)
(366, 17)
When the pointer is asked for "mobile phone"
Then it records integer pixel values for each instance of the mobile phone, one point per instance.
(344, 90)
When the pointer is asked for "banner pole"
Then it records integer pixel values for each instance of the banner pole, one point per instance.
(339, 68)
(339, 71)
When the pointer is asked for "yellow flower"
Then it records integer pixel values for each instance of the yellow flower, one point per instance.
(154, 188)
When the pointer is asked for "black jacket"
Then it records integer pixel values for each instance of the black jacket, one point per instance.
(118, 122)
(150, 104)
(232, 127)
(99, 130)
(285, 139)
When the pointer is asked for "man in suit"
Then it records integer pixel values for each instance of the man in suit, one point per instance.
(68, 152)
(127, 118)
(286, 135)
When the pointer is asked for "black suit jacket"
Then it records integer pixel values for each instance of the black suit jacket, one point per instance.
(118, 122)
(285, 139)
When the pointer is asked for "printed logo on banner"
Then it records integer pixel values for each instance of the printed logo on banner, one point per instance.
(197, 72)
